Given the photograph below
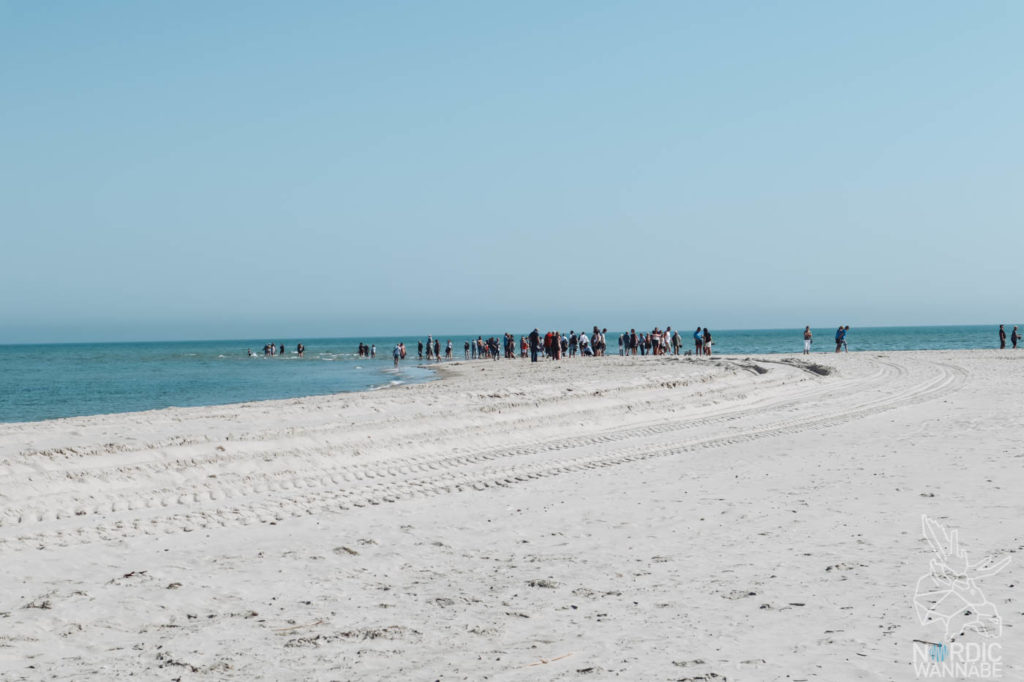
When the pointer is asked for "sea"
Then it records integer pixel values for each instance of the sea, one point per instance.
(52, 381)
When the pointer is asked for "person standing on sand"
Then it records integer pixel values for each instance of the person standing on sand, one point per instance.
(840, 338)
(846, 332)
(708, 342)
(534, 344)
(807, 340)
(698, 342)
(1002, 337)
(1014, 336)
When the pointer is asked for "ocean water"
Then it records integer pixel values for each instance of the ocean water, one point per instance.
(50, 381)
(67, 380)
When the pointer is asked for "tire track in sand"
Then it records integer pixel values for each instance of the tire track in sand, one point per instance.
(219, 504)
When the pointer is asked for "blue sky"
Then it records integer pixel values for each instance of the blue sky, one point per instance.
(223, 170)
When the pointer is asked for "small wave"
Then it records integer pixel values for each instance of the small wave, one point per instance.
(393, 382)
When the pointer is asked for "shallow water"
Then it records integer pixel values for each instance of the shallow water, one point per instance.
(63, 380)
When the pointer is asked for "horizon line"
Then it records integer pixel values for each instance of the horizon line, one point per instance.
(454, 334)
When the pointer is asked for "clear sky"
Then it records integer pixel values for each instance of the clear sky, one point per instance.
(246, 169)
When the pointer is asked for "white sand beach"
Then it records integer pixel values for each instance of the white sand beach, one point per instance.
(739, 518)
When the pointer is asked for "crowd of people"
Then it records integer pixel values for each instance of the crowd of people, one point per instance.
(433, 347)
(271, 349)
(555, 345)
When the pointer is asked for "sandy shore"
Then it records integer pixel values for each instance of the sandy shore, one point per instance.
(647, 519)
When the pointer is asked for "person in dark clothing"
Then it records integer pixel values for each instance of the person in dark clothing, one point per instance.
(1002, 337)
(534, 345)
